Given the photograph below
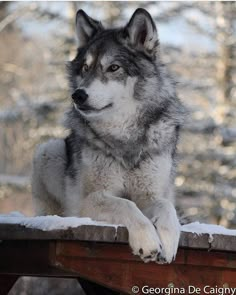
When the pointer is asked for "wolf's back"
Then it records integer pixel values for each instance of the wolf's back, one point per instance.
(48, 177)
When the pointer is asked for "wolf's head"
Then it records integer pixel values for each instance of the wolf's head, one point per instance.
(123, 95)
(115, 70)
(117, 80)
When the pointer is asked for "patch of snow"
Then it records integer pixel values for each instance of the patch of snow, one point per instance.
(211, 229)
(50, 222)
(54, 222)
(14, 180)
(210, 239)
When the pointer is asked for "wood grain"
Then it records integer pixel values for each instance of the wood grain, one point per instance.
(114, 266)
(111, 234)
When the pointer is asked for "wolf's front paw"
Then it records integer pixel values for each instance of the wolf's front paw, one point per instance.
(169, 233)
(145, 242)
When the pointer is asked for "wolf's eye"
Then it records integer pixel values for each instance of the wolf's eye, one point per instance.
(85, 68)
(113, 68)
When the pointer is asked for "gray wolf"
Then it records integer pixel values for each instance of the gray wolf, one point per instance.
(118, 163)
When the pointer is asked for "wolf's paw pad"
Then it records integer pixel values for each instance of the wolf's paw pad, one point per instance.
(151, 257)
(161, 259)
(145, 243)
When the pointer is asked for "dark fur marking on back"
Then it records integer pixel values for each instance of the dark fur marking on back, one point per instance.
(72, 152)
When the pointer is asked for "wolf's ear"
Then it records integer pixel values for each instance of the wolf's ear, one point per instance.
(86, 27)
(142, 32)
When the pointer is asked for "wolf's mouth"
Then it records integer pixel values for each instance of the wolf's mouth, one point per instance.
(89, 109)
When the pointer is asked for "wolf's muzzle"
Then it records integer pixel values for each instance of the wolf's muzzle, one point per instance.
(79, 96)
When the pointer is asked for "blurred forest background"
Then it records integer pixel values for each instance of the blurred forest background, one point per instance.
(198, 43)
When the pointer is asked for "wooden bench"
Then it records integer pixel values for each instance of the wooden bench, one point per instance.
(100, 258)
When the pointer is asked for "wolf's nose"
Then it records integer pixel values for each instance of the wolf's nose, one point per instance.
(79, 96)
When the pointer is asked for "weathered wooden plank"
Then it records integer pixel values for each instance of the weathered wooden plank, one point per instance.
(113, 266)
(83, 233)
(206, 241)
(224, 243)
(195, 241)
(120, 252)
(112, 234)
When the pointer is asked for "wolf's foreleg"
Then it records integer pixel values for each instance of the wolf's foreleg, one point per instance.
(143, 239)
(164, 217)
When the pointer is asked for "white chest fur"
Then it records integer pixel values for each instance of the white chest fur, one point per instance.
(149, 181)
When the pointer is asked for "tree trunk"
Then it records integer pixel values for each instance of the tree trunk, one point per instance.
(225, 12)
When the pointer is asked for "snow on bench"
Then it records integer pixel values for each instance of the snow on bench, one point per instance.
(16, 226)
(55, 246)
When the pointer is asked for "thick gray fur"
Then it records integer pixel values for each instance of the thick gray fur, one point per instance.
(118, 163)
